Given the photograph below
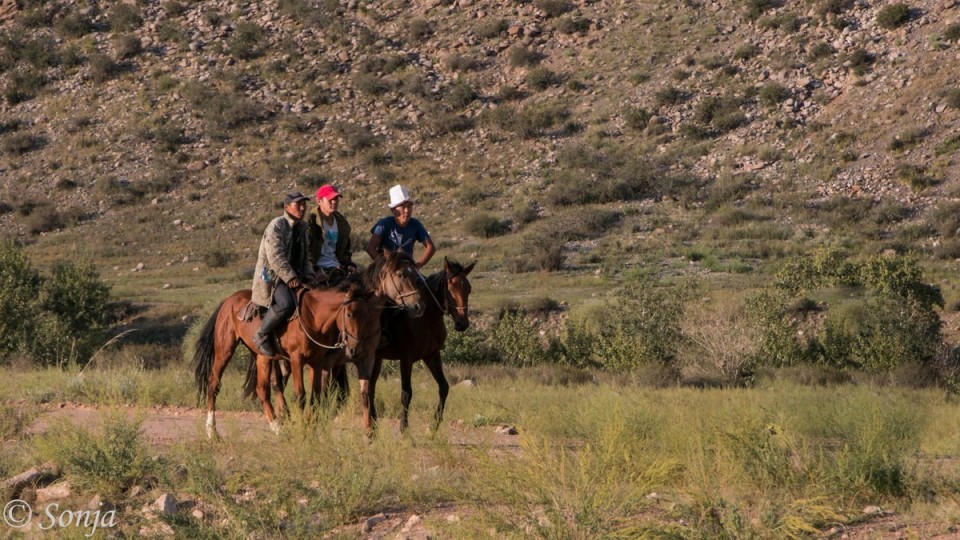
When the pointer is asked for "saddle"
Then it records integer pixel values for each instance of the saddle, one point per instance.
(252, 310)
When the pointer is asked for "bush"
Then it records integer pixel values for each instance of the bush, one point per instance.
(109, 462)
(860, 61)
(517, 341)
(820, 50)
(641, 327)
(773, 94)
(543, 252)
(554, 8)
(520, 55)
(23, 85)
(541, 78)
(58, 319)
(370, 84)
(952, 32)
(490, 28)
(127, 46)
(102, 67)
(755, 8)
(893, 16)
(486, 226)
(17, 144)
(467, 347)
(746, 51)
(125, 17)
(355, 136)
(953, 98)
(636, 118)
(246, 43)
(669, 96)
(74, 25)
(218, 257)
(915, 176)
(418, 30)
(572, 25)
(461, 94)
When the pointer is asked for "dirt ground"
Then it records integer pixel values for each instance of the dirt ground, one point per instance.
(162, 426)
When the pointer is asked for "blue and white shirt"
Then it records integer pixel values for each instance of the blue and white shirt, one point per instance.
(393, 236)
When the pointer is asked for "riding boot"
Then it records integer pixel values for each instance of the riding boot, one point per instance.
(263, 339)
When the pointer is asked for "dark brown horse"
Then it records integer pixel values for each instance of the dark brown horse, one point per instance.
(328, 321)
(412, 339)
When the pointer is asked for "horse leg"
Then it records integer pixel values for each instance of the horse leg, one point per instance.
(263, 391)
(279, 373)
(436, 369)
(299, 394)
(368, 399)
(341, 384)
(406, 391)
(223, 352)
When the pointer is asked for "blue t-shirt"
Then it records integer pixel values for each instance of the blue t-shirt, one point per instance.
(393, 236)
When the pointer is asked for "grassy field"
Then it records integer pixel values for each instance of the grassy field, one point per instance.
(592, 459)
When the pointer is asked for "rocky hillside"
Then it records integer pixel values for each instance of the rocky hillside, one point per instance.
(166, 130)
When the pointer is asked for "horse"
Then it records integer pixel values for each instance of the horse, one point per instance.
(423, 338)
(328, 320)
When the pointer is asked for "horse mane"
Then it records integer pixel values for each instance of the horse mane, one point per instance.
(390, 262)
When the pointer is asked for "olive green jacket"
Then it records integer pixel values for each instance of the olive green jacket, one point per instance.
(343, 250)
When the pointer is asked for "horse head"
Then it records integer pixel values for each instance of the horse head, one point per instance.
(396, 276)
(458, 293)
(357, 322)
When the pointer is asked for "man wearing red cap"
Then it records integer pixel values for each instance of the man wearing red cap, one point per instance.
(330, 251)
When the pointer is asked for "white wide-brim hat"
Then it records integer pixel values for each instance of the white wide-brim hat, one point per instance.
(398, 196)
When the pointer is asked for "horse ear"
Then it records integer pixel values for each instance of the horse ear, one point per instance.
(468, 268)
(446, 265)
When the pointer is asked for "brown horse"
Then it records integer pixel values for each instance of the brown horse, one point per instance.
(327, 320)
(412, 339)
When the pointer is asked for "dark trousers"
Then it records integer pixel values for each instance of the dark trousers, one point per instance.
(284, 304)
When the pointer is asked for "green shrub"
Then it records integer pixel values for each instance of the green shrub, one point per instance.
(355, 136)
(755, 8)
(102, 67)
(74, 25)
(723, 113)
(59, 319)
(529, 122)
(486, 226)
(418, 30)
(125, 17)
(893, 15)
(224, 109)
(541, 78)
(109, 462)
(820, 50)
(907, 139)
(772, 94)
(952, 32)
(834, 7)
(952, 98)
(915, 176)
(860, 61)
(467, 347)
(461, 94)
(247, 41)
(669, 96)
(543, 251)
(519, 55)
(127, 46)
(23, 85)
(636, 118)
(572, 25)
(450, 122)
(18, 144)
(746, 51)
(641, 327)
(554, 8)
(370, 84)
(490, 28)
(517, 341)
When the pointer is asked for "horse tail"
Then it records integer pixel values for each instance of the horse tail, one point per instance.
(204, 353)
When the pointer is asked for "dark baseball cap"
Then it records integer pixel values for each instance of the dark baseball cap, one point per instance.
(294, 196)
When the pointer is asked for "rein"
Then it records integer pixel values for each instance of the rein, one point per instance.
(396, 285)
(445, 308)
(341, 314)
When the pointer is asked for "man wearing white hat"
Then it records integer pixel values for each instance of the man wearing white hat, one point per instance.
(401, 230)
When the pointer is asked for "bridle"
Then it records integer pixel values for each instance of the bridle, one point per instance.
(395, 282)
(445, 308)
(344, 334)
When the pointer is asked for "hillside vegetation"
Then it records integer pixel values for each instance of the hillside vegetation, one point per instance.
(571, 147)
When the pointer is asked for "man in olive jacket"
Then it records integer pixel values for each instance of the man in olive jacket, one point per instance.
(330, 250)
(283, 265)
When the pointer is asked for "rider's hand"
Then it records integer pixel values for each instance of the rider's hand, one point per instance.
(294, 283)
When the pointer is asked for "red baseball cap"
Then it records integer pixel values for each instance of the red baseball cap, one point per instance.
(327, 192)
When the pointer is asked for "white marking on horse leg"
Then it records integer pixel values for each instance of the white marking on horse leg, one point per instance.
(275, 426)
(212, 426)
